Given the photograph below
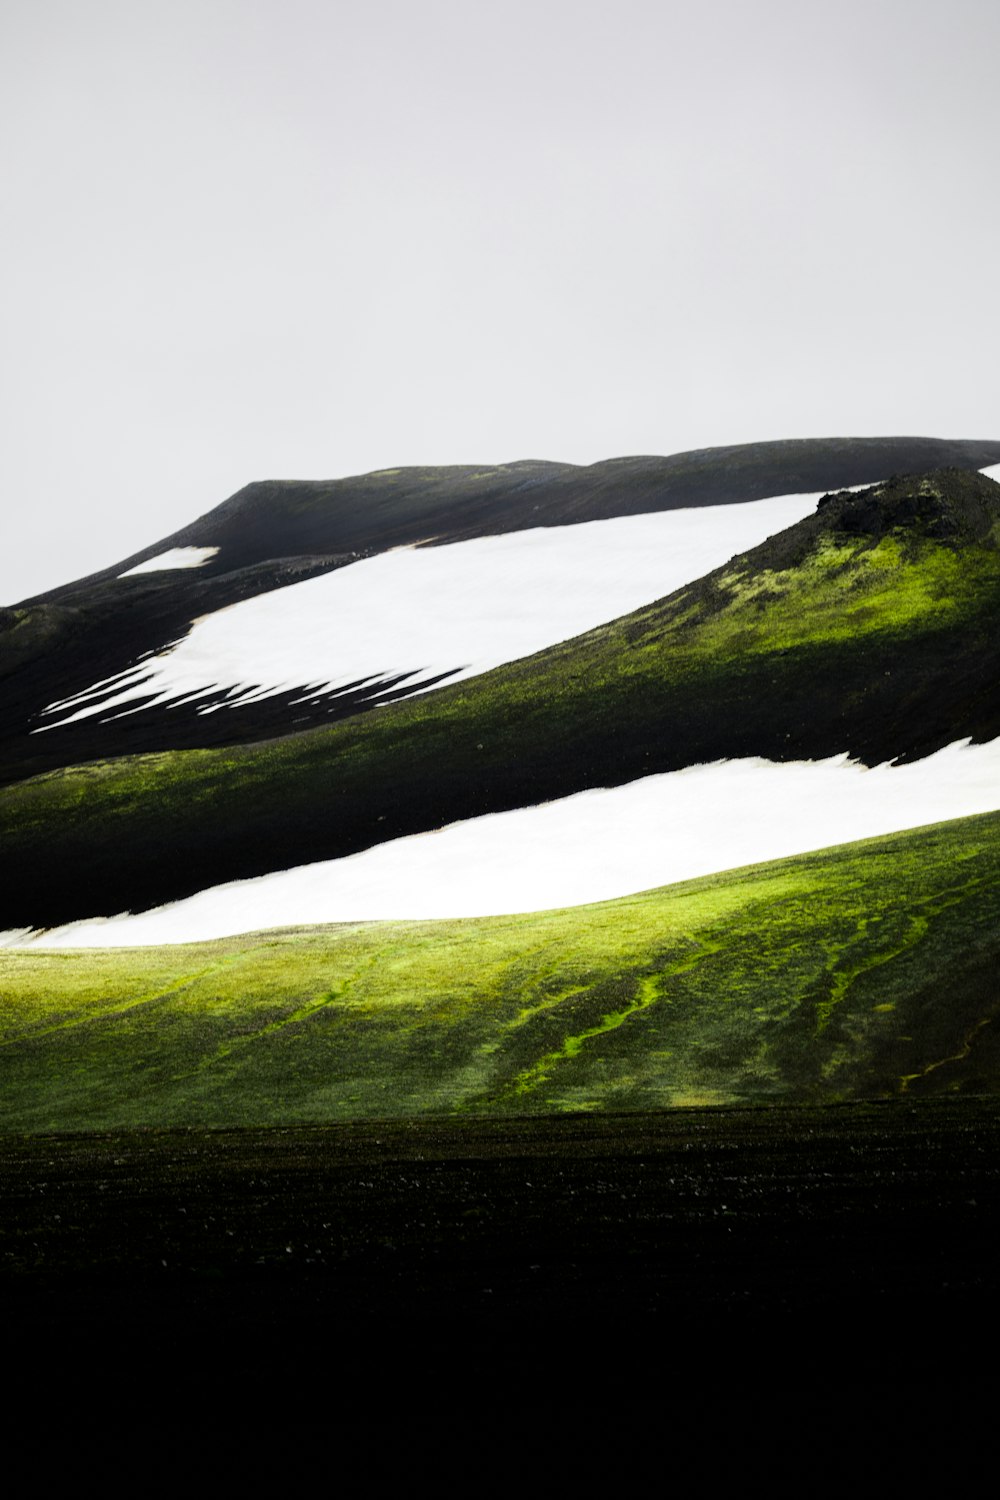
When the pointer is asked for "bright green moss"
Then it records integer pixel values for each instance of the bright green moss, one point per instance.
(863, 971)
(841, 595)
(846, 591)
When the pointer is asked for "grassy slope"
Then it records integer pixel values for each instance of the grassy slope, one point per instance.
(864, 971)
(870, 627)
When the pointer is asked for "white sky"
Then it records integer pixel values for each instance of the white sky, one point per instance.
(283, 238)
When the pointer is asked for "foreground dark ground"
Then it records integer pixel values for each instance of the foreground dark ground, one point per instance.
(679, 1240)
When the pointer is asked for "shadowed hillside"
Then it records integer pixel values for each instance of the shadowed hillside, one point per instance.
(868, 628)
(277, 533)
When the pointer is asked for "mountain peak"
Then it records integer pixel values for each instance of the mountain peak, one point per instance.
(945, 504)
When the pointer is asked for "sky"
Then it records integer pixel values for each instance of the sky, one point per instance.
(250, 239)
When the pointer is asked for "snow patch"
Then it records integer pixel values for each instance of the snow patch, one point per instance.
(420, 612)
(177, 557)
(592, 846)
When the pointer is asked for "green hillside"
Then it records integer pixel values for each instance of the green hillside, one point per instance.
(870, 628)
(867, 971)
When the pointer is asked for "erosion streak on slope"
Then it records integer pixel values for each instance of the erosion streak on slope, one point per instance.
(334, 996)
(843, 976)
(875, 633)
(649, 991)
(35, 1033)
(963, 1053)
(919, 922)
(438, 1016)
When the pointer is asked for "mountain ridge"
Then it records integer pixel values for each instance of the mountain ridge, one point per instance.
(880, 645)
(570, 493)
(58, 644)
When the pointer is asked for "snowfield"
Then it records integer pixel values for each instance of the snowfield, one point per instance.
(177, 557)
(460, 609)
(588, 847)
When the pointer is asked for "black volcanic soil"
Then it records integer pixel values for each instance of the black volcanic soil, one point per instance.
(685, 1241)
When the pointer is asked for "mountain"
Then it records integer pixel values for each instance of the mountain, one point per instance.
(775, 647)
(276, 535)
(695, 765)
(865, 629)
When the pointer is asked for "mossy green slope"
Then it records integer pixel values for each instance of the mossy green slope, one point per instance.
(869, 628)
(865, 971)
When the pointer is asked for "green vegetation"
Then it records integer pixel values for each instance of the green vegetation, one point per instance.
(867, 971)
(870, 627)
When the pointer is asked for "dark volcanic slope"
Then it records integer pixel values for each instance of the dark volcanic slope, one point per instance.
(870, 627)
(279, 532)
(396, 507)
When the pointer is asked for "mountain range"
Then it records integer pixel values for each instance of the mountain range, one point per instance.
(660, 781)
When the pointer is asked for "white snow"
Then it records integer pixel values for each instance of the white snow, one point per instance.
(993, 472)
(177, 557)
(469, 606)
(588, 847)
